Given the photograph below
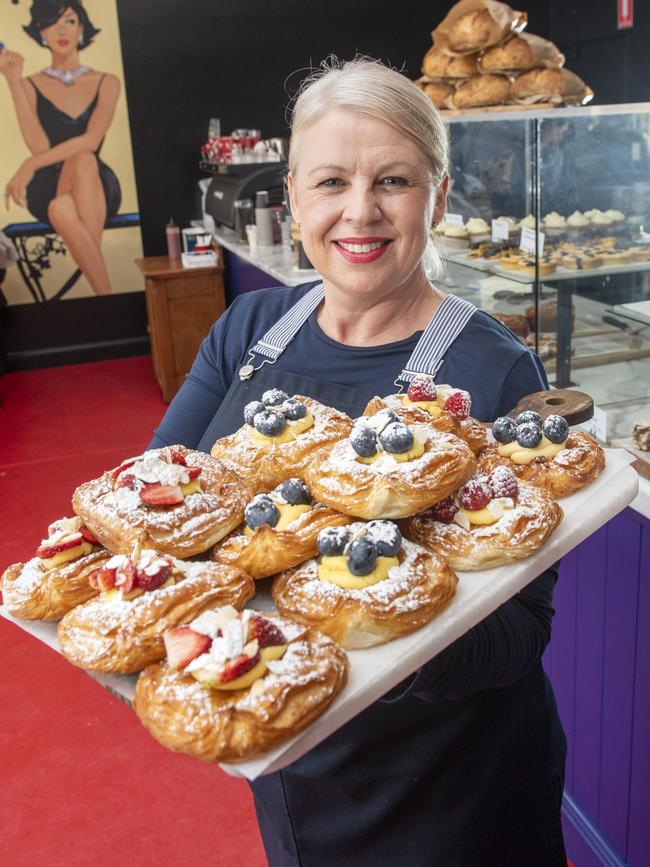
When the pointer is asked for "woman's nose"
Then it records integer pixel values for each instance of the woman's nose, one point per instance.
(361, 205)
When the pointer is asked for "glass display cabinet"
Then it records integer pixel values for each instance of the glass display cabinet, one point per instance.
(579, 178)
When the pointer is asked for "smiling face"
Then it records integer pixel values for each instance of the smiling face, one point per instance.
(62, 37)
(365, 198)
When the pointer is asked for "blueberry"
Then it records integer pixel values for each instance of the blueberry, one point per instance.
(269, 422)
(251, 409)
(396, 438)
(331, 541)
(295, 492)
(261, 510)
(293, 409)
(274, 397)
(362, 556)
(529, 415)
(364, 441)
(386, 537)
(529, 435)
(504, 430)
(555, 429)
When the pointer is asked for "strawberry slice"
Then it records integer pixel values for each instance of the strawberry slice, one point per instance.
(116, 472)
(125, 578)
(183, 644)
(102, 579)
(194, 472)
(236, 667)
(161, 495)
(88, 536)
(72, 541)
(266, 633)
(151, 582)
(178, 458)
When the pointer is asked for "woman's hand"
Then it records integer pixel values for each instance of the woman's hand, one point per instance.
(16, 189)
(11, 65)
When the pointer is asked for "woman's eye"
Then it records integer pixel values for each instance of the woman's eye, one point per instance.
(393, 181)
(330, 182)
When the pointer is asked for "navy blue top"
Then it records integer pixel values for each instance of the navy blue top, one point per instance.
(486, 360)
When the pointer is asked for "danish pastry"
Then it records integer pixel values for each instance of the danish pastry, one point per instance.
(178, 501)
(369, 586)
(142, 596)
(234, 686)
(544, 453)
(445, 408)
(280, 530)
(491, 521)
(387, 469)
(56, 579)
(279, 438)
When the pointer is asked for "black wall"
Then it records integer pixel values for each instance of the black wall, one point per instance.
(186, 61)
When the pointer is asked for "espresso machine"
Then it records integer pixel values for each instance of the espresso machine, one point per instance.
(232, 182)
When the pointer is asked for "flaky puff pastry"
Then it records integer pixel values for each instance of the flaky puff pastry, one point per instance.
(520, 532)
(470, 430)
(388, 488)
(578, 464)
(263, 465)
(232, 726)
(269, 551)
(124, 636)
(413, 593)
(119, 518)
(33, 592)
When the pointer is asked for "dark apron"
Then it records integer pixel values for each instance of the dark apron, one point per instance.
(412, 783)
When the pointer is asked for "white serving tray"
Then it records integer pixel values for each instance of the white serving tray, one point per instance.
(376, 670)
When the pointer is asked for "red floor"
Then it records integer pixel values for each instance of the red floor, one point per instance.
(82, 783)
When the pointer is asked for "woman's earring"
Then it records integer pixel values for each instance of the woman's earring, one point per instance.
(44, 41)
(80, 41)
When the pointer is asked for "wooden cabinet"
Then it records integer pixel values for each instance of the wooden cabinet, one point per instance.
(182, 305)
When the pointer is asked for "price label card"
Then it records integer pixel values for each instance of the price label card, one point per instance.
(527, 243)
(500, 230)
(454, 220)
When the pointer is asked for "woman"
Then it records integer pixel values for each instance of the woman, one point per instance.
(64, 112)
(462, 764)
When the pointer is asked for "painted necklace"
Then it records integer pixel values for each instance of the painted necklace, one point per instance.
(66, 76)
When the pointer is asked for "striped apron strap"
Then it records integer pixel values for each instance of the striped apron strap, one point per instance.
(272, 344)
(443, 328)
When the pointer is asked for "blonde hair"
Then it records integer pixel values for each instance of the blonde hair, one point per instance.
(366, 86)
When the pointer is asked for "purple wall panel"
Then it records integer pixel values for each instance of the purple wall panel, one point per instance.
(564, 651)
(623, 552)
(638, 850)
(590, 626)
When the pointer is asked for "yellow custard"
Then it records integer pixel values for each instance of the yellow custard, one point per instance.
(79, 550)
(292, 430)
(335, 570)
(288, 513)
(521, 456)
(430, 406)
(415, 451)
(192, 487)
(246, 680)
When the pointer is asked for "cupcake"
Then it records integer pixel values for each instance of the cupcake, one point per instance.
(578, 224)
(600, 222)
(513, 227)
(527, 222)
(554, 225)
(455, 237)
(619, 223)
(478, 230)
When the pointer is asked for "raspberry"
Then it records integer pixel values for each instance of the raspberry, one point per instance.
(445, 510)
(503, 482)
(267, 633)
(475, 495)
(459, 404)
(422, 388)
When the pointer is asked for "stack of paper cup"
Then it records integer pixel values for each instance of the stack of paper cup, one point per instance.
(263, 219)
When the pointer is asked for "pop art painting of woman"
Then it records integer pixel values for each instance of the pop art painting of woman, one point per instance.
(64, 112)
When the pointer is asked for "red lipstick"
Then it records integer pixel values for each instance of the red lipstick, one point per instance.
(362, 258)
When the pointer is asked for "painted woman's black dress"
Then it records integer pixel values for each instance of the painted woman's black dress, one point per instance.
(59, 127)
